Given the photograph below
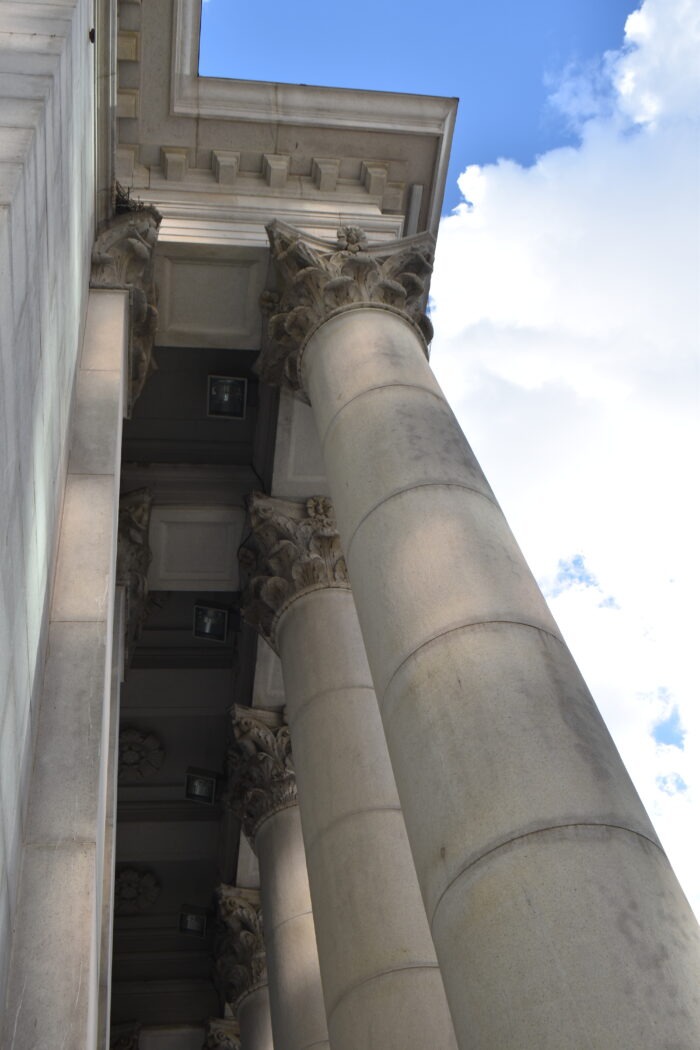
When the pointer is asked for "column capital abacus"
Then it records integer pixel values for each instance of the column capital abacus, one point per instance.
(262, 780)
(241, 966)
(319, 280)
(295, 549)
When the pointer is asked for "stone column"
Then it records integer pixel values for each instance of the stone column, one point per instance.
(557, 919)
(381, 984)
(240, 965)
(263, 787)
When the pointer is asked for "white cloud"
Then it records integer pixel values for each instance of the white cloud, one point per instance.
(566, 317)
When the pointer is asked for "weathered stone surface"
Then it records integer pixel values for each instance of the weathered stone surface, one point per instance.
(221, 1034)
(133, 559)
(122, 257)
(295, 548)
(261, 770)
(240, 966)
(319, 279)
(140, 754)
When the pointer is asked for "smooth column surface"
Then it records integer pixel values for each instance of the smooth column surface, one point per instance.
(296, 1002)
(557, 919)
(381, 983)
(253, 1015)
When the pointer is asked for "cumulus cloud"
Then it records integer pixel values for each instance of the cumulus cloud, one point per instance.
(565, 304)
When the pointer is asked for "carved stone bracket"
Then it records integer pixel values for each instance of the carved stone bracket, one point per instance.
(221, 1033)
(133, 559)
(123, 257)
(318, 280)
(261, 771)
(241, 967)
(295, 548)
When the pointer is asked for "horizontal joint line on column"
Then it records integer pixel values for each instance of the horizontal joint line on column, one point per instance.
(371, 390)
(310, 1046)
(530, 834)
(464, 626)
(412, 488)
(292, 718)
(375, 976)
(347, 816)
(290, 918)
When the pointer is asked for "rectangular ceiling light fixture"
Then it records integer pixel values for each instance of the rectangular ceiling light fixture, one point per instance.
(226, 397)
(210, 622)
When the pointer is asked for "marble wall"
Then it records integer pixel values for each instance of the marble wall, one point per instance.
(46, 233)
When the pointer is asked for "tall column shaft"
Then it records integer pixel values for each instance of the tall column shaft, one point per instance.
(264, 785)
(296, 999)
(557, 919)
(381, 983)
(253, 1016)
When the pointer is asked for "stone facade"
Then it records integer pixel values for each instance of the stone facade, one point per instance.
(214, 345)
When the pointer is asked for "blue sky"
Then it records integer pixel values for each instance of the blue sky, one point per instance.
(498, 58)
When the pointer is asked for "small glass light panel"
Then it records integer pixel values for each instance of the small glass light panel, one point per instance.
(210, 622)
(226, 397)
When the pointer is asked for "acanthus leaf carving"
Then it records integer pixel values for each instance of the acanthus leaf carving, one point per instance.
(262, 780)
(123, 257)
(318, 279)
(294, 548)
(241, 966)
(221, 1033)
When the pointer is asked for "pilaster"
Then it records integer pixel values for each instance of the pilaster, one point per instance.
(123, 257)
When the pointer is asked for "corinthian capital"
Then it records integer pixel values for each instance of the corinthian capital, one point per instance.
(262, 779)
(240, 953)
(123, 257)
(318, 280)
(221, 1033)
(295, 548)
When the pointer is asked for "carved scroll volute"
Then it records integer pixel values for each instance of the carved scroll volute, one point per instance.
(221, 1033)
(317, 280)
(294, 548)
(123, 257)
(262, 780)
(133, 560)
(241, 966)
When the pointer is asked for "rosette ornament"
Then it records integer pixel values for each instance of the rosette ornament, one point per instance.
(318, 280)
